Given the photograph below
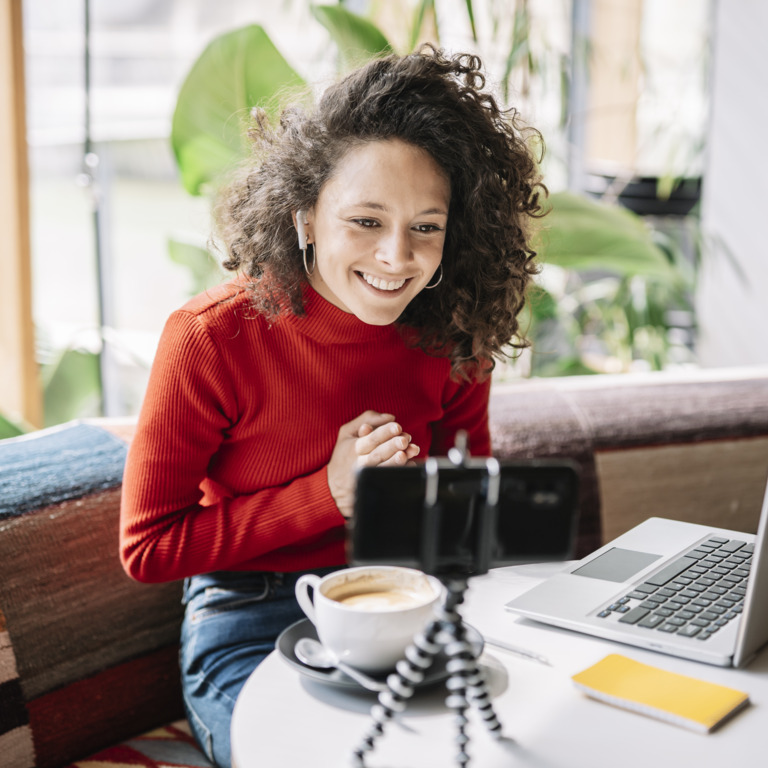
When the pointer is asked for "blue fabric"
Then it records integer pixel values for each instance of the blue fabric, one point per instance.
(58, 464)
(231, 623)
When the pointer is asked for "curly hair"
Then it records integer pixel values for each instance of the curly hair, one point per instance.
(433, 101)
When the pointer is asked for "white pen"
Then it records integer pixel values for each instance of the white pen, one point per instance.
(522, 652)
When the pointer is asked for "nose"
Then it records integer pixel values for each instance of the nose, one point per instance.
(395, 249)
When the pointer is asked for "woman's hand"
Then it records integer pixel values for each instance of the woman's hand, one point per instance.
(370, 440)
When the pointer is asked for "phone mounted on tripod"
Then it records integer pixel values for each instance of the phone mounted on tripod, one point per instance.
(460, 515)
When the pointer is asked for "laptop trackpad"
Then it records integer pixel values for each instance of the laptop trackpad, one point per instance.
(568, 598)
(616, 565)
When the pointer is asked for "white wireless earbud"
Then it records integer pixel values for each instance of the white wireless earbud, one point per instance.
(301, 229)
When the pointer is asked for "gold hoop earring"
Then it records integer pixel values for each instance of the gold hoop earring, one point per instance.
(314, 259)
(439, 279)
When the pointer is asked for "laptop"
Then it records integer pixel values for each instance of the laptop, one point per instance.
(677, 588)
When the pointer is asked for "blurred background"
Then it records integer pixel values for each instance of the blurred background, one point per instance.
(112, 136)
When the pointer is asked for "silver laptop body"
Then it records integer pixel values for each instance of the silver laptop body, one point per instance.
(592, 594)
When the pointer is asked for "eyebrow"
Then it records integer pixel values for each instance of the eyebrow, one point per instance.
(380, 207)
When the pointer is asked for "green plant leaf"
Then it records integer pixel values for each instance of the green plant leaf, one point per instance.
(357, 39)
(424, 7)
(541, 304)
(203, 267)
(237, 71)
(471, 14)
(582, 234)
(563, 366)
(9, 428)
(72, 387)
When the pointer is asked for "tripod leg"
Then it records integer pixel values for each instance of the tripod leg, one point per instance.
(466, 682)
(480, 697)
(457, 650)
(400, 686)
(470, 683)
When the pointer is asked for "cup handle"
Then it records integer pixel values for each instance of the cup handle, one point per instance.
(302, 593)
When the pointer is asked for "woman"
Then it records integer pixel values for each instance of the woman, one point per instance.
(382, 257)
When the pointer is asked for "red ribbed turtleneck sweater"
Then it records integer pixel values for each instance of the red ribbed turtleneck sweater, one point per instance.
(227, 470)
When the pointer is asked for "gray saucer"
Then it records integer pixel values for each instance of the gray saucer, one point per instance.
(305, 628)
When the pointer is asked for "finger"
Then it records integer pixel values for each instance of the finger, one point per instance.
(398, 459)
(412, 451)
(402, 458)
(373, 418)
(382, 435)
(385, 452)
(364, 430)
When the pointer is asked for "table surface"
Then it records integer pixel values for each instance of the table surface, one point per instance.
(283, 718)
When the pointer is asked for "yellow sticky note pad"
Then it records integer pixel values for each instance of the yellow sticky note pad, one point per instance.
(678, 699)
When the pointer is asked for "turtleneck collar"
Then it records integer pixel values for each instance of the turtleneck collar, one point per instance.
(328, 324)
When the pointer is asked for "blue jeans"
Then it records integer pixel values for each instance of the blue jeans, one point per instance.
(231, 622)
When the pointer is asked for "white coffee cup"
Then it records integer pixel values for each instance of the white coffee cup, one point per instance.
(367, 616)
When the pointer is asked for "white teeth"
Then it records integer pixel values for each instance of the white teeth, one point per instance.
(383, 285)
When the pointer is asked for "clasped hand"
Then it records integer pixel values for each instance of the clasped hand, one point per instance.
(372, 439)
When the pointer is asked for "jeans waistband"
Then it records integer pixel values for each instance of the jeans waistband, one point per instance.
(269, 580)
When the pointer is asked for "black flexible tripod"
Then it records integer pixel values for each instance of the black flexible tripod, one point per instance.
(466, 682)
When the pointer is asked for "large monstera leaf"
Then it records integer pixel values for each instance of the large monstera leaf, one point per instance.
(236, 72)
(583, 234)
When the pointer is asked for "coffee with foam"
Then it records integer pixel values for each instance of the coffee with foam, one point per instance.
(382, 600)
(387, 591)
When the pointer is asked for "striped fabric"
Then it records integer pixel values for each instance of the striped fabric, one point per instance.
(171, 746)
(56, 464)
(15, 732)
(88, 657)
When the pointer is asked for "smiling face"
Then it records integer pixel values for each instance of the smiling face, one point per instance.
(378, 229)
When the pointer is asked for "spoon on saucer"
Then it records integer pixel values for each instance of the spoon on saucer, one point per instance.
(314, 654)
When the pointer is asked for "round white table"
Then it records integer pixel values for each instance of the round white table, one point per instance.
(284, 719)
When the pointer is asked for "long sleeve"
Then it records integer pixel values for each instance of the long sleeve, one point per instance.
(168, 528)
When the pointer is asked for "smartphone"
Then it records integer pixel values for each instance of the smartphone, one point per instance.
(444, 518)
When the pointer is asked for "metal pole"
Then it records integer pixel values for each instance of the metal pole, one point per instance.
(91, 175)
(579, 94)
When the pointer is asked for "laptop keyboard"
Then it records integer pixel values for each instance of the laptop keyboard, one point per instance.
(695, 595)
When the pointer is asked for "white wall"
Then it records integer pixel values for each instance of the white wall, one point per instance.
(732, 303)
